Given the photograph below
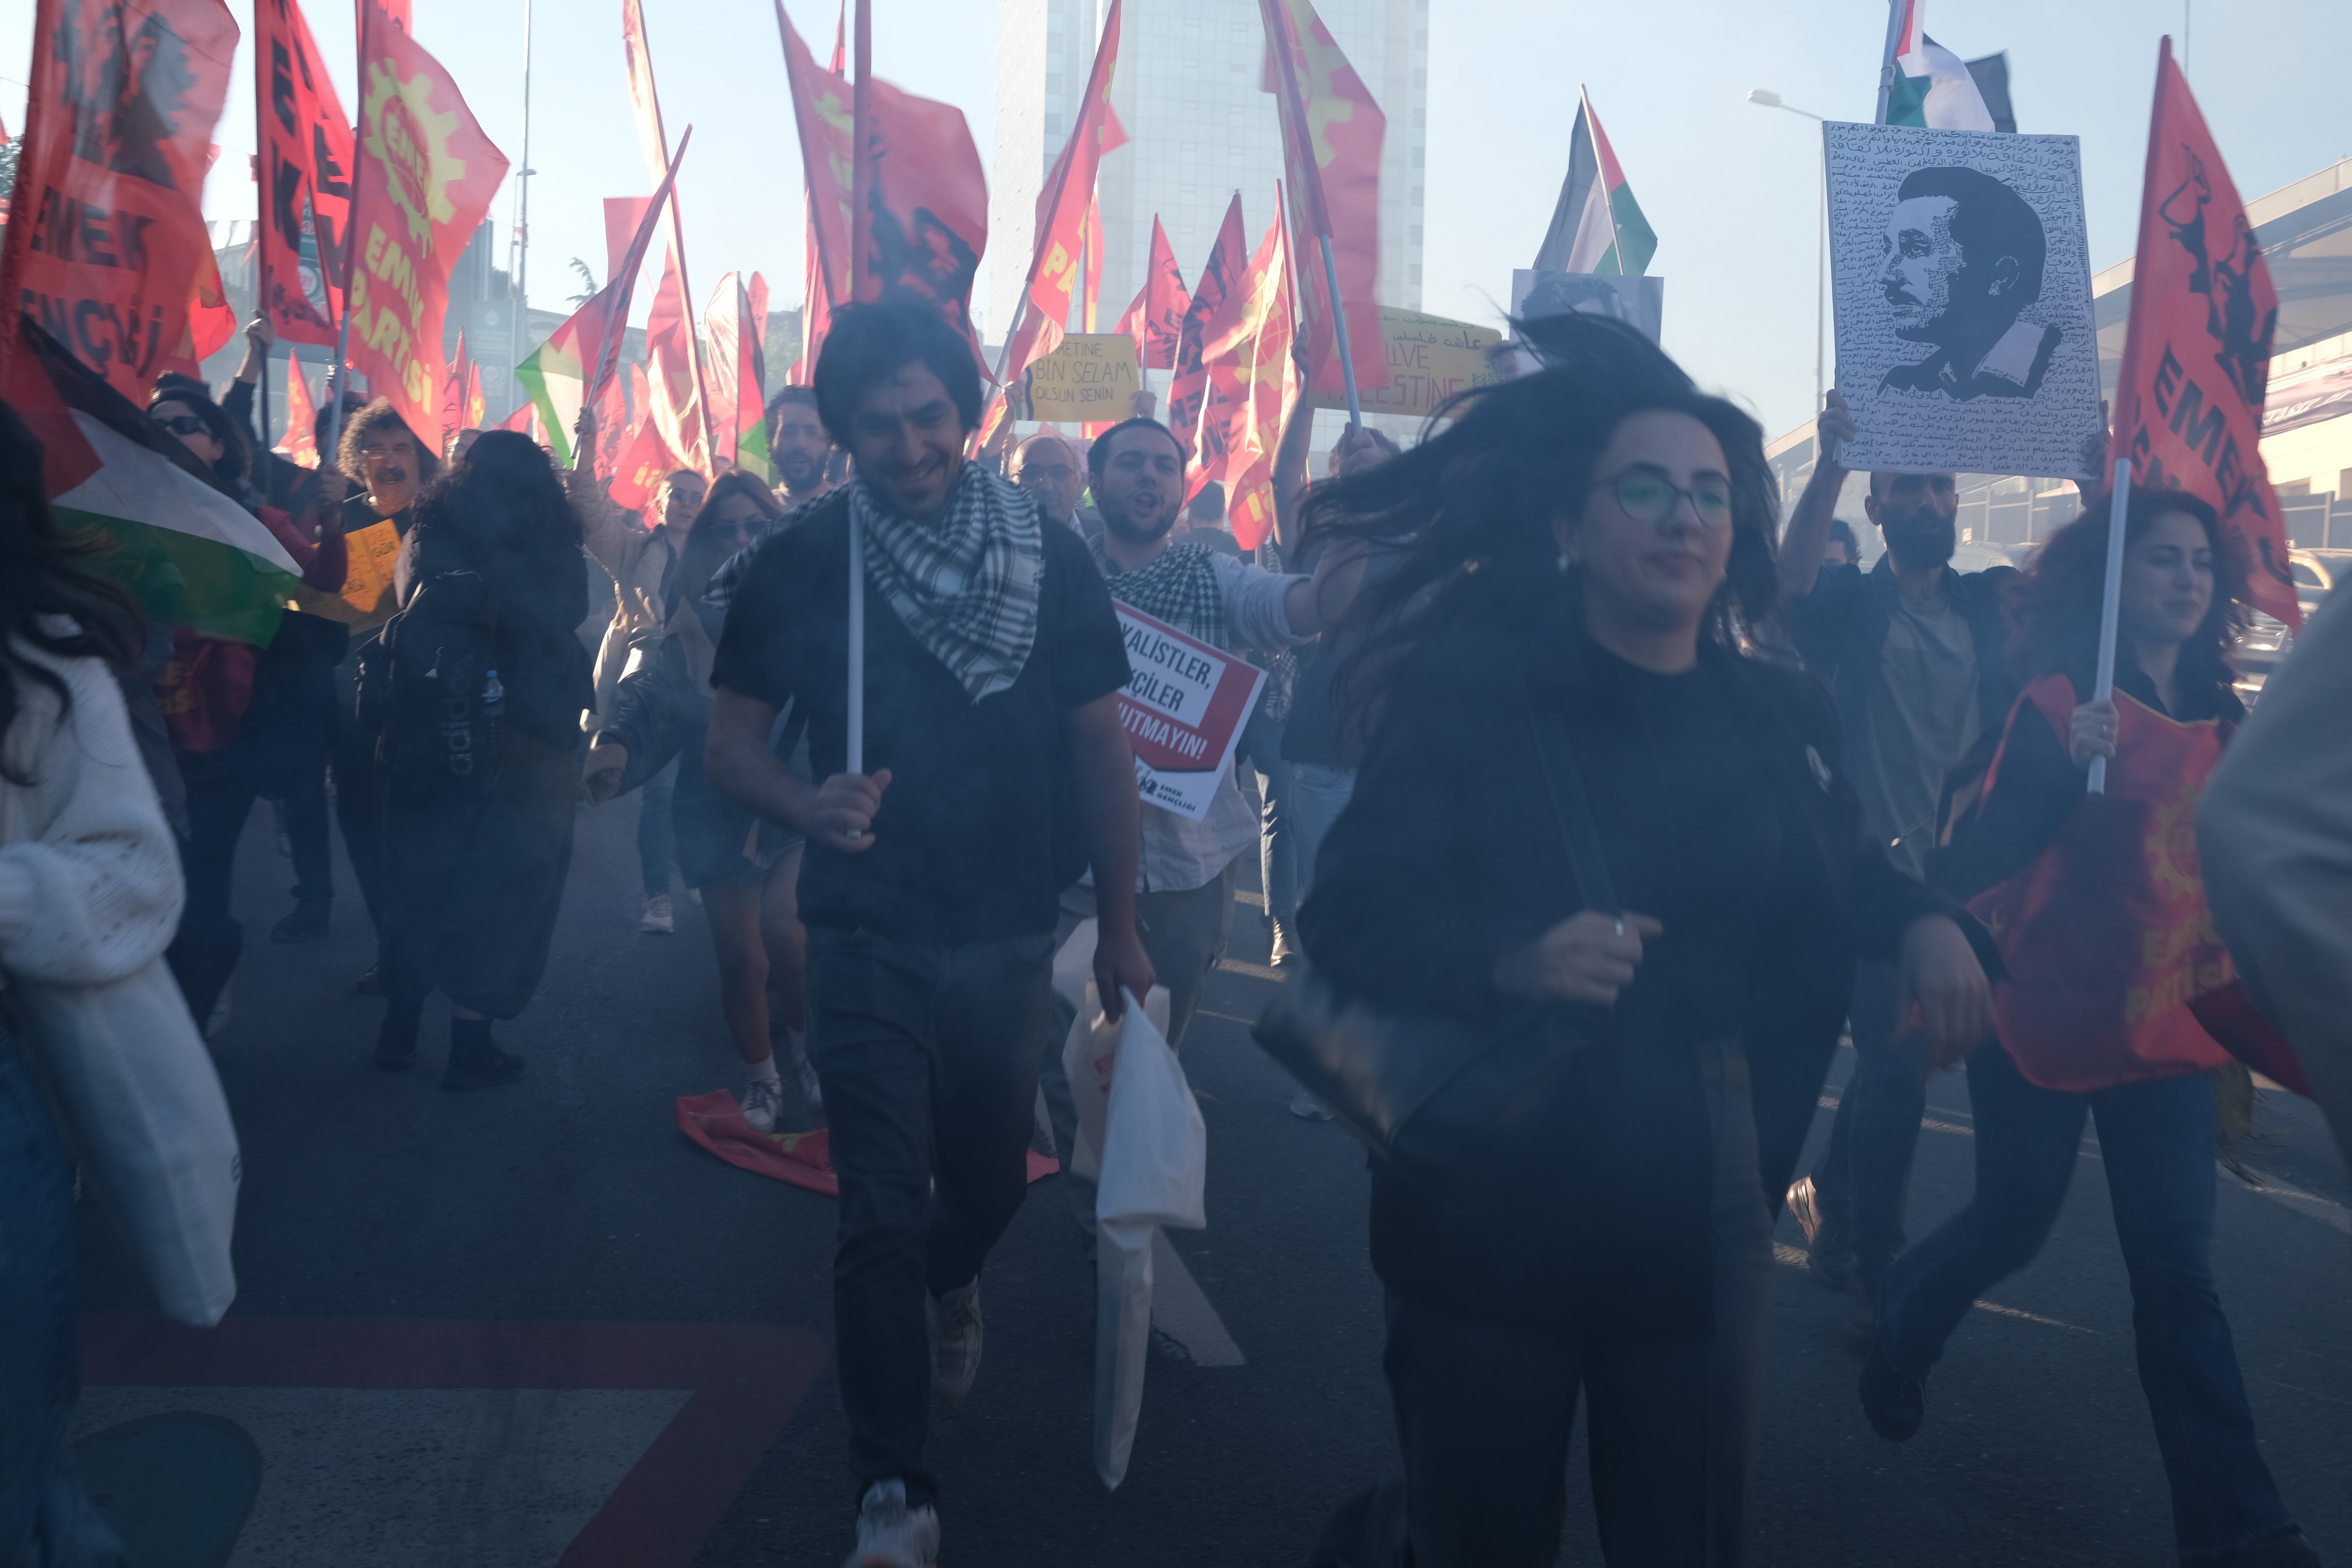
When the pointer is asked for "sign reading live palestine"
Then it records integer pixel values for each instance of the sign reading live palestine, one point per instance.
(1429, 360)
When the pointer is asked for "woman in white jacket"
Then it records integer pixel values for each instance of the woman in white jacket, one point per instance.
(89, 893)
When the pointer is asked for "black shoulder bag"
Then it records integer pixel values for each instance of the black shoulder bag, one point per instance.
(1445, 1103)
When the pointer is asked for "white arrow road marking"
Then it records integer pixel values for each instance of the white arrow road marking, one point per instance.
(1181, 1310)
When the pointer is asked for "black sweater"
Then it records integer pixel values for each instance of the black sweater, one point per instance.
(1722, 813)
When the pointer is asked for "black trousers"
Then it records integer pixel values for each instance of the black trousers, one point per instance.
(222, 786)
(358, 794)
(929, 1060)
(1485, 1412)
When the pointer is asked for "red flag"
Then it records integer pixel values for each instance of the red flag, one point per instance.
(108, 245)
(677, 408)
(453, 394)
(614, 428)
(1156, 318)
(1331, 135)
(822, 114)
(929, 206)
(1218, 279)
(1246, 345)
(301, 442)
(722, 318)
(1062, 208)
(644, 464)
(1092, 238)
(653, 140)
(477, 408)
(755, 298)
(623, 215)
(425, 177)
(2197, 358)
(305, 177)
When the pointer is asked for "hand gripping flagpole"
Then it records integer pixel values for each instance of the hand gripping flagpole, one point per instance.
(2111, 605)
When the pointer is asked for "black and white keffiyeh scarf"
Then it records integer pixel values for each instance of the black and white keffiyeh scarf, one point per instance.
(965, 585)
(1179, 586)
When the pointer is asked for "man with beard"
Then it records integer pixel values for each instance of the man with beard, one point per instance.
(1962, 259)
(1184, 901)
(393, 468)
(798, 445)
(1913, 651)
(996, 768)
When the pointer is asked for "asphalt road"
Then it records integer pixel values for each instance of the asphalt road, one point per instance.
(537, 1325)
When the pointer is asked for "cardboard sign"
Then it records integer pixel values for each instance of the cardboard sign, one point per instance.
(1091, 378)
(1429, 360)
(365, 601)
(1184, 706)
(1961, 279)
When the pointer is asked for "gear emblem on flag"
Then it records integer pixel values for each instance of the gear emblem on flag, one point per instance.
(412, 144)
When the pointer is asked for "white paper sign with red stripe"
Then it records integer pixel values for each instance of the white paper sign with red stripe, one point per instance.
(1184, 707)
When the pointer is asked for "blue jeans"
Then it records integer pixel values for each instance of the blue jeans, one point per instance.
(1318, 794)
(1277, 841)
(2157, 1140)
(45, 1520)
(656, 834)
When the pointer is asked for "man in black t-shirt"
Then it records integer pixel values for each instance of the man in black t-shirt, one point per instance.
(995, 768)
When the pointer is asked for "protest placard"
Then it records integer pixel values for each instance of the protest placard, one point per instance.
(1961, 278)
(1184, 706)
(1091, 378)
(1429, 360)
(365, 601)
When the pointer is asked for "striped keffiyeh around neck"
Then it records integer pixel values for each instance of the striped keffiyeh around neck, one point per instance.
(966, 585)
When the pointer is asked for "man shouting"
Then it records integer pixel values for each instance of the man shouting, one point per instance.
(996, 770)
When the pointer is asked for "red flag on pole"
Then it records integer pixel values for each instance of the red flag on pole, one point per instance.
(1091, 242)
(1223, 273)
(453, 394)
(1246, 345)
(1062, 208)
(305, 170)
(2197, 358)
(108, 245)
(822, 114)
(653, 140)
(678, 412)
(928, 222)
(1331, 135)
(425, 175)
(723, 318)
(300, 444)
(1156, 320)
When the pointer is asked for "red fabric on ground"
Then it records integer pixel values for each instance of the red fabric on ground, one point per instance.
(715, 1122)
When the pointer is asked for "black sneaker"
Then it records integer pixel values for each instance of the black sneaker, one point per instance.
(368, 984)
(305, 923)
(1827, 1257)
(475, 1061)
(1895, 1403)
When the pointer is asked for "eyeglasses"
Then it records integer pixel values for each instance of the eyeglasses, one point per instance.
(1647, 496)
(184, 424)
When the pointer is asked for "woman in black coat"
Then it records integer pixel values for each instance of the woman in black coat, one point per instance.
(473, 881)
(1588, 548)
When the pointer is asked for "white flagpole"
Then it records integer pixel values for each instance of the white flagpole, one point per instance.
(2111, 607)
(1897, 12)
(857, 645)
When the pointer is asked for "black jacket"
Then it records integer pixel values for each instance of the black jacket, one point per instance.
(1841, 626)
(542, 597)
(1448, 857)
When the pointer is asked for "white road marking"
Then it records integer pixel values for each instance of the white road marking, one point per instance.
(1794, 1258)
(1181, 1310)
(2326, 1211)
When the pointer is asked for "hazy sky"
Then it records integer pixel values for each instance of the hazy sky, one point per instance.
(1729, 186)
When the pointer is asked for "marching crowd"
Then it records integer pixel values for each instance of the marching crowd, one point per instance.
(1569, 761)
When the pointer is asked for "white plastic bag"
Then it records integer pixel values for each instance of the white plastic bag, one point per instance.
(152, 1127)
(1088, 1058)
(1155, 1162)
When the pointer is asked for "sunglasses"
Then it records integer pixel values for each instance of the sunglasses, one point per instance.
(184, 424)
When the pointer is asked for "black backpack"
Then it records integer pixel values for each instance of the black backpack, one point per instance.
(430, 691)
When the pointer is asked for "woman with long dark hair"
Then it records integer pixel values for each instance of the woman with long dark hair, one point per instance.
(475, 872)
(745, 870)
(2100, 910)
(89, 891)
(1581, 562)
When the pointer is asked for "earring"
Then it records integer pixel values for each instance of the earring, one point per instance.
(1567, 562)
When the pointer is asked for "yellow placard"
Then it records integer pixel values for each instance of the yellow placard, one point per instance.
(1093, 376)
(365, 601)
(1431, 358)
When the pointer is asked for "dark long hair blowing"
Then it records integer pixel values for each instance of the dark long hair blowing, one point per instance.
(503, 494)
(44, 571)
(1465, 519)
(2054, 610)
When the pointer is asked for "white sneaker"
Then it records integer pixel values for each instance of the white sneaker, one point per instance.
(806, 1071)
(1306, 1108)
(954, 1321)
(763, 1097)
(657, 917)
(892, 1535)
(219, 1018)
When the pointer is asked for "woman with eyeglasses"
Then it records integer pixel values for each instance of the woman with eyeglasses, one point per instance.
(745, 870)
(1582, 567)
(235, 713)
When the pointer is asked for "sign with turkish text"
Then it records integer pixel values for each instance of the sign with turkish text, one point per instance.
(1184, 706)
(1091, 376)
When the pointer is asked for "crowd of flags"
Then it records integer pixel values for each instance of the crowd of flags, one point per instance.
(361, 219)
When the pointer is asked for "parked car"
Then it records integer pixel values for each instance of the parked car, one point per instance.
(2267, 639)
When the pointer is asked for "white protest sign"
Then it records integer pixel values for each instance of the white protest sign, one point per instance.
(1184, 706)
(1961, 273)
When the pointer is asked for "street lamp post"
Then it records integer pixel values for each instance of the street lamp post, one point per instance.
(1766, 98)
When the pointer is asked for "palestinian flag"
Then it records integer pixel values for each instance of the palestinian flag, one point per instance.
(1598, 226)
(1932, 88)
(555, 376)
(193, 556)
